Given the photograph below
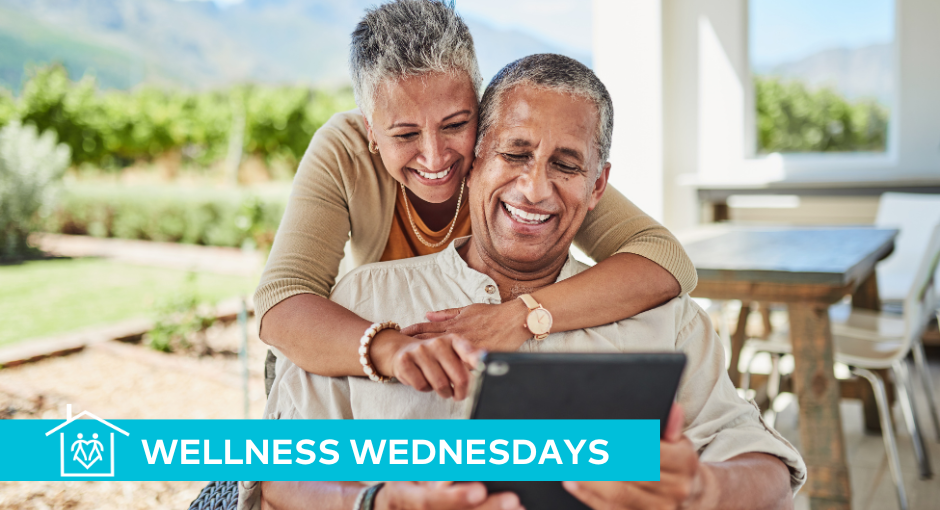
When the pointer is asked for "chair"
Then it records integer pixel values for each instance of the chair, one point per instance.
(914, 214)
(867, 341)
(217, 496)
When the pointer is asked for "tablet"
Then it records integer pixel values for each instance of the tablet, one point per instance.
(558, 386)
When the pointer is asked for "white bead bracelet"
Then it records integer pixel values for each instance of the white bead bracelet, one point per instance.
(365, 346)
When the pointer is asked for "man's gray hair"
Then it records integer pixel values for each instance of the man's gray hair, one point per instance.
(553, 72)
(409, 38)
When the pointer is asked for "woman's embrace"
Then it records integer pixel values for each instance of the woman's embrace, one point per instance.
(390, 178)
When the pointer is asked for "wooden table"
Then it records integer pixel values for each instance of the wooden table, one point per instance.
(809, 270)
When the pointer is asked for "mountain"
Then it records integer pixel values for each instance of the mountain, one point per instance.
(200, 45)
(855, 72)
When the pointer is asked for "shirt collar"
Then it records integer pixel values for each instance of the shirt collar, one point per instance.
(454, 265)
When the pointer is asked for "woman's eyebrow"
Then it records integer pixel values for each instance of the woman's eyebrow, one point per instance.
(402, 124)
(461, 112)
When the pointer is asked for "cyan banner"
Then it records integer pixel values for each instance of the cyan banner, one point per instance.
(340, 450)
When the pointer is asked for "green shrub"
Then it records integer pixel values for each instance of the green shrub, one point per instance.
(114, 128)
(213, 217)
(793, 118)
(180, 324)
(30, 167)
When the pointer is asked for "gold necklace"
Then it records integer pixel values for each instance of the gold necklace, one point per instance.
(452, 223)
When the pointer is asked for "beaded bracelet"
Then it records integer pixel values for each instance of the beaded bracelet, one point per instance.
(365, 345)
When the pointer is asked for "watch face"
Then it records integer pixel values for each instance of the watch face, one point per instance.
(539, 321)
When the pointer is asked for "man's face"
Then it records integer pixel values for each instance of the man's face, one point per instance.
(536, 178)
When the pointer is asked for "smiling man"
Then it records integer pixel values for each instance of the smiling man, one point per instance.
(545, 131)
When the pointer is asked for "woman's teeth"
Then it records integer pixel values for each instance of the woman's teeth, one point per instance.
(438, 175)
(526, 217)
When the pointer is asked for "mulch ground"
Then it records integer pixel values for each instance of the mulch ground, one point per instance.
(127, 381)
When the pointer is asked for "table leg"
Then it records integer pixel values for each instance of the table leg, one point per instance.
(817, 391)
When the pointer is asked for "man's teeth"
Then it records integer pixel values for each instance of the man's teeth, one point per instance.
(526, 217)
(438, 175)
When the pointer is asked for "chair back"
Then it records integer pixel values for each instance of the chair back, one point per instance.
(915, 214)
(921, 302)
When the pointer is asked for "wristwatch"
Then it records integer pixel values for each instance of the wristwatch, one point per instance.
(539, 320)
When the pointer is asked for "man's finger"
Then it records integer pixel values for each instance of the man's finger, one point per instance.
(467, 352)
(407, 372)
(501, 501)
(586, 494)
(434, 374)
(443, 315)
(673, 432)
(455, 369)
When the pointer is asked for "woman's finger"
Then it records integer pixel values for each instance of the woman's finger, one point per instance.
(673, 433)
(424, 328)
(444, 315)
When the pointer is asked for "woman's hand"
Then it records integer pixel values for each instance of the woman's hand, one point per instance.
(487, 327)
(442, 496)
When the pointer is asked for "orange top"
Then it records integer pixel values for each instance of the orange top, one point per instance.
(402, 241)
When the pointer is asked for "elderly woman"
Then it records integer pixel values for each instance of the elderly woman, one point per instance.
(390, 178)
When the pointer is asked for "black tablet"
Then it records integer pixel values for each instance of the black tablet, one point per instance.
(559, 386)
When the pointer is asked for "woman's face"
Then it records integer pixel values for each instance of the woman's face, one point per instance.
(425, 128)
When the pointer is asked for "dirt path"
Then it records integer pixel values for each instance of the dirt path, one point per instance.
(122, 381)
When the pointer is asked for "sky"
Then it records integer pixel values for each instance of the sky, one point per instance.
(783, 31)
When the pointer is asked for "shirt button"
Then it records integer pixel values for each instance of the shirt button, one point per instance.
(490, 289)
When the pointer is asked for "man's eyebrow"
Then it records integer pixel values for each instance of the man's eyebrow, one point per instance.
(412, 125)
(574, 153)
(518, 143)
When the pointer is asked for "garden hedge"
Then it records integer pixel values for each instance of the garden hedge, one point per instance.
(212, 217)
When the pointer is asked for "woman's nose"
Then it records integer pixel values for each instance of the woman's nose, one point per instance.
(433, 153)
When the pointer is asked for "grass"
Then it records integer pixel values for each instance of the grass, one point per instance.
(49, 297)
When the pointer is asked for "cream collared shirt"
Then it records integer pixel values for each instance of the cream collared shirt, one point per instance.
(719, 423)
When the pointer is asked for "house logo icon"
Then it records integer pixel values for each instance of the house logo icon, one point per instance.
(86, 448)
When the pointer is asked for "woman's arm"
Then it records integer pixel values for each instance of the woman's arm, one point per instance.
(641, 267)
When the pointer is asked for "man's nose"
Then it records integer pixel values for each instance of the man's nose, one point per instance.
(534, 184)
(433, 153)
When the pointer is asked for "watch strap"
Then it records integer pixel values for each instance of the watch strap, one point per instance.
(530, 301)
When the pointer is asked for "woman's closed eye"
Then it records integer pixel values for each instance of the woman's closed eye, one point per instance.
(455, 126)
(406, 136)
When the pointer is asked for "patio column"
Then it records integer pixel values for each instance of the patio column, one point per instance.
(628, 59)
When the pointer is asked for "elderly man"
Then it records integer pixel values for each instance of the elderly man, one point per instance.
(545, 131)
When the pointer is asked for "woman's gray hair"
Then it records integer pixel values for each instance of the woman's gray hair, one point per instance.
(409, 38)
(553, 72)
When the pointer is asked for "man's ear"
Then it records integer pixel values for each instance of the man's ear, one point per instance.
(600, 185)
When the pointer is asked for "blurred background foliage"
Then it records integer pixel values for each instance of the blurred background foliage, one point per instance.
(792, 117)
(112, 129)
(213, 217)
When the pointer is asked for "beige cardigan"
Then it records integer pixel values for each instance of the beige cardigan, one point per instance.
(343, 192)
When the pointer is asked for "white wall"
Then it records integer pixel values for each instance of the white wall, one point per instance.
(679, 76)
(628, 59)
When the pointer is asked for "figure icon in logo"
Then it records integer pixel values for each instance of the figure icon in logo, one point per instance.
(87, 459)
(79, 448)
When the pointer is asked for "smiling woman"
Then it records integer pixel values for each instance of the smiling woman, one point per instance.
(389, 178)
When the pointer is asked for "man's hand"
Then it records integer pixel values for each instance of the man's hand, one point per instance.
(442, 496)
(441, 363)
(486, 327)
(682, 478)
